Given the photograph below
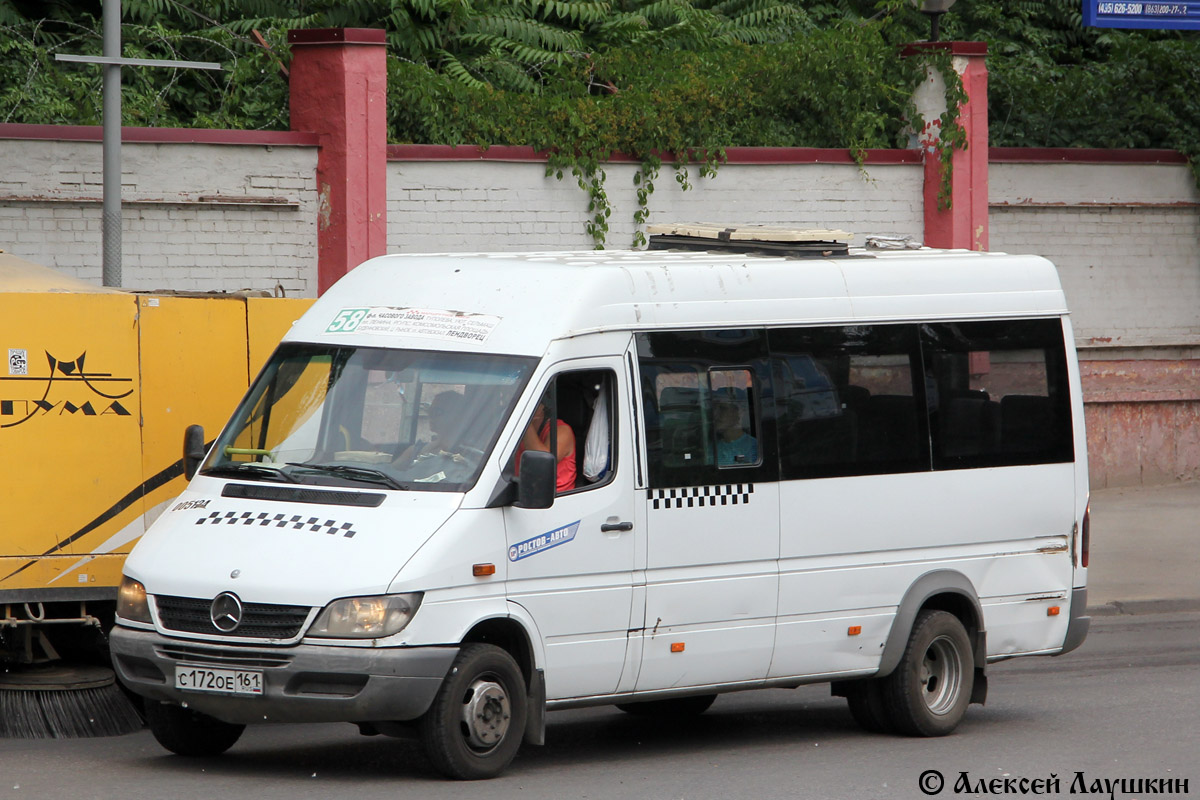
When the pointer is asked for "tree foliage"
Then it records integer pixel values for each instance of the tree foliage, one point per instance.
(250, 92)
(582, 79)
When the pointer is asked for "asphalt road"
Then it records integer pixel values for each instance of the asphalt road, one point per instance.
(1126, 705)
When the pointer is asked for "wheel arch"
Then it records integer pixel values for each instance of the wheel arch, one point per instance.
(509, 635)
(941, 590)
(512, 636)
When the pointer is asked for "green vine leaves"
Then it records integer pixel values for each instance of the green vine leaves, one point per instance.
(948, 133)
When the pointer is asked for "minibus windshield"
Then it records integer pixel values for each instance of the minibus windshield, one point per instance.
(416, 420)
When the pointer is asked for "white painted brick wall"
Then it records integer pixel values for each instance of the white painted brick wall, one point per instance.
(1125, 237)
(170, 238)
(1126, 240)
(505, 206)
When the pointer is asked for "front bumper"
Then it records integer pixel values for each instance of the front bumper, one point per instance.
(301, 683)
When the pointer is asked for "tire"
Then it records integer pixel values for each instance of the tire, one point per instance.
(675, 707)
(477, 720)
(189, 733)
(865, 698)
(928, 693)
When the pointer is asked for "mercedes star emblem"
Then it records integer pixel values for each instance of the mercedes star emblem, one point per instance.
(226, 613)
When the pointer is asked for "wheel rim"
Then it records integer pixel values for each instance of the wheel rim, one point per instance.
(941, 675)
(486, 714)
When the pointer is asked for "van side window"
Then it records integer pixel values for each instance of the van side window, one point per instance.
(848, 401)
(583, 401)
(998, 393)
(702, 404)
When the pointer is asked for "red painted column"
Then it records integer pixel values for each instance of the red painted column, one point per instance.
(964, 224)
(338, 84)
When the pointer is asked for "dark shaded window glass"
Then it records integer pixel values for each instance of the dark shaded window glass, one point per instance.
(702, 404)
(998, 393)
(848, 400)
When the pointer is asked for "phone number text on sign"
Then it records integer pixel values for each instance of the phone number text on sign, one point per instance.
(417, 322)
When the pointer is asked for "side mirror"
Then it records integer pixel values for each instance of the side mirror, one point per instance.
(193, 450)
(537, 481)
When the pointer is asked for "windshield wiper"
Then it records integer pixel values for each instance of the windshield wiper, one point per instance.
(357, 473)
(248, 468)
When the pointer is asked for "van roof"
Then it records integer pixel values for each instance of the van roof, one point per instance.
(518, 303)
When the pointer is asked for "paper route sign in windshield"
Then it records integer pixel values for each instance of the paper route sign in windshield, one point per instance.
(419, 322)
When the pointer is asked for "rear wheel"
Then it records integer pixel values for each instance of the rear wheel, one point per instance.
(477, 721)
(189, 733)
(672, 707)
(929, 691)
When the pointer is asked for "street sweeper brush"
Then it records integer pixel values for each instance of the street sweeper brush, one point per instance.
(64, 701)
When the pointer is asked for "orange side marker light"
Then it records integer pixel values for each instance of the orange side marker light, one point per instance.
(1053, 611)
(483, 570)
(854, 630)
(676, 647)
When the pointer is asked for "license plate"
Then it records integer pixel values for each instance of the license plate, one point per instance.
(221, 681)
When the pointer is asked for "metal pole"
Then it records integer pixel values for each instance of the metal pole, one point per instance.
(112, 145)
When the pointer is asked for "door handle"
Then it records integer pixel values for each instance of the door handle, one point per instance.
(621, 527)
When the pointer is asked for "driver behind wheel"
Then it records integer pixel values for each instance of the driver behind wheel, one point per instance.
(447, 421)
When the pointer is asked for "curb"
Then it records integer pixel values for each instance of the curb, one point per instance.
(1136, 607)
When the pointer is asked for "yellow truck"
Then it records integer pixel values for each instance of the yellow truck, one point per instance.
(96, 390)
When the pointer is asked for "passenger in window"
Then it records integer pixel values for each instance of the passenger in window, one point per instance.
(537, 437)
(734, 445)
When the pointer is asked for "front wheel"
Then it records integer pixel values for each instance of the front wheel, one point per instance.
(189, 733)
(477, 720)
(929, 691)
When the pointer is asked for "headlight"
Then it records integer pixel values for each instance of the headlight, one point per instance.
(131, 601)
(366, 617)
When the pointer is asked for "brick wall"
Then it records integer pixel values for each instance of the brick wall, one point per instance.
(1124, 236)
(438, 204)
(197, 216)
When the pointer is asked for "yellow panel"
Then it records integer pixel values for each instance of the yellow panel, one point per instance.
(35, 576)
(193, 373)
(70, 404)
(80, 478)
(269, 319)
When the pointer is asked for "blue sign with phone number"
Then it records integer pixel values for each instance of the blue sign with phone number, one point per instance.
(1159, 16)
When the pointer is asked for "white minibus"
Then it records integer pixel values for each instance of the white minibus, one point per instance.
(469, 489)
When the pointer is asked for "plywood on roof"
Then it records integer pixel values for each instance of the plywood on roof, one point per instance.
(751, 233)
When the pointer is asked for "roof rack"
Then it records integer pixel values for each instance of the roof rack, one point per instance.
(795, 242)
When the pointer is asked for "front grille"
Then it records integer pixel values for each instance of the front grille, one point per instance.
(259, 620)
(230, 659)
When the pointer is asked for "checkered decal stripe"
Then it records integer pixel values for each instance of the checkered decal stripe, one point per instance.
(294, 521)
(730, 494)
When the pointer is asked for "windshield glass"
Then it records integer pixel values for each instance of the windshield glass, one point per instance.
(401, 419)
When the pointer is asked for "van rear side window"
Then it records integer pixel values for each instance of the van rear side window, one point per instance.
(998, 393)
